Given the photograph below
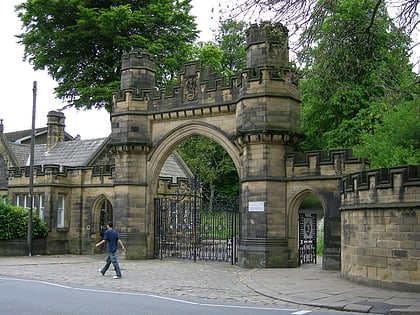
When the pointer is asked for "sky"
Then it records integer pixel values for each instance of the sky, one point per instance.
(17, 80)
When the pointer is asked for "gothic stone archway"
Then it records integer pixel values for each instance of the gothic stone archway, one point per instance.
(253, 115)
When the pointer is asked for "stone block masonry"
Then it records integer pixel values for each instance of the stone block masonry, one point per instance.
(380, 222)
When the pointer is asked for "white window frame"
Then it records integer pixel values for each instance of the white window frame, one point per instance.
(20, 200)
(38, 203)
(41, 204)
(61, 201)
(27, 202)
(23, 200)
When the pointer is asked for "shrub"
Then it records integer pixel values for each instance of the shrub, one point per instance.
(14, 223)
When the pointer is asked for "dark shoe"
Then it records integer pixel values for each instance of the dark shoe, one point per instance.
(103, 273)
(116, 277)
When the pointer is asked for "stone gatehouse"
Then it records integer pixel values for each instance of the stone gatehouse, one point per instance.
(254, 116)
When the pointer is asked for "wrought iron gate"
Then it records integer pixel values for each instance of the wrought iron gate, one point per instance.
(189, 226)
(307, 239)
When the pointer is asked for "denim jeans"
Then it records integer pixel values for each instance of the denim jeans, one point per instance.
(112, 259)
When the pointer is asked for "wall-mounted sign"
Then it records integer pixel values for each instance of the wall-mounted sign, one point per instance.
(256, 206)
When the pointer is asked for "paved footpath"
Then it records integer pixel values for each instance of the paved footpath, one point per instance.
(307, 287)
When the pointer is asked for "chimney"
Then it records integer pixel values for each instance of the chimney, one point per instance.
(55, 128)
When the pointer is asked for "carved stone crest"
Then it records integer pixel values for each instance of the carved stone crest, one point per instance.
(190, 90)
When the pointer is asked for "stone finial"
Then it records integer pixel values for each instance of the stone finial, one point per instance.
(1, 127)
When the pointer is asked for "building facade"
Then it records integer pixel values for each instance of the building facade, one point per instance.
(73, 187)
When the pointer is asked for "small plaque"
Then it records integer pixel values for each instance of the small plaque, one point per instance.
(256, 206)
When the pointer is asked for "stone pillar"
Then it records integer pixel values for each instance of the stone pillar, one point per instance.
(267, 128)
(130, 140)
(130, 200)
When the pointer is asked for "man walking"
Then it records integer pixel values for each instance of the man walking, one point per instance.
(112, 240)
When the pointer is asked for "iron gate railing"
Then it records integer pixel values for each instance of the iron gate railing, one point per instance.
(191, 227)
(307, 239)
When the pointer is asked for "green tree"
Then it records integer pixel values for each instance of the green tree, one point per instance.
(351, 67)
(209, 55)
(396, 140)
(231, 40)
(80, 42)
(226, 52)
(298, 14)
(213, 166)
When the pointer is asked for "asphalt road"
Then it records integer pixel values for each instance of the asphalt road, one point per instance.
(33, 297)
(20, 297)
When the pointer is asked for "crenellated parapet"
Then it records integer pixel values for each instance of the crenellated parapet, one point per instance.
(58, 174)
(199, 90)
(39, 170)
(323, 163)
(381, 187)
(264, 97)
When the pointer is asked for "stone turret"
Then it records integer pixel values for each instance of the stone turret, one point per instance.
(267, 45)
(270, 105)
(56, 124)
(129, 113)
(267, 127)
(130, 142)
(138, 71)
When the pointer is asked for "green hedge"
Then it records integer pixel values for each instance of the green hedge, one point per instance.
(14, 223)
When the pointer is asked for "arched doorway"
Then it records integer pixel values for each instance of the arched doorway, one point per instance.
(102, 212)
(306, 213)
(106, 215)
(310, 228)
(195, 217)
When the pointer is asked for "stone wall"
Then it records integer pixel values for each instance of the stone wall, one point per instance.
(19, 247)
(380, 228)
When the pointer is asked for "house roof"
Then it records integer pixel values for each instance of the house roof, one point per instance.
(21, 152)
(71, 152)
(17, 136)
(83, 152)
(175, 168)
(23, 135)
(68, 153)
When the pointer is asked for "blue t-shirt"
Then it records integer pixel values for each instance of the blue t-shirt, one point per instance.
(111, 238)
